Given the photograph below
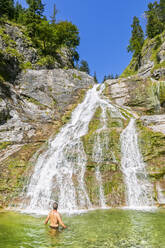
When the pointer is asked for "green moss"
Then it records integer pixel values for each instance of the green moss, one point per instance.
(75, 76)
(162, 92)
(1, 79)
(47, 61)
(13, 52)
(4, 145)
(158, 66)
(36, 102)
(152, 147)
(26, 65)
(131, 69)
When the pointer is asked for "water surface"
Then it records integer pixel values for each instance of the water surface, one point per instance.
(100, 228)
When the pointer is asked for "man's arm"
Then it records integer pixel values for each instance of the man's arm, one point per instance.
(47, 219)
(60, 221)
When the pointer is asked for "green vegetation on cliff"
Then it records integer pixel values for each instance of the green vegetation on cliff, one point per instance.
(147, 51)
(52, 42)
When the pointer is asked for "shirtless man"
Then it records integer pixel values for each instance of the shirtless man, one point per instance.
(55, 218)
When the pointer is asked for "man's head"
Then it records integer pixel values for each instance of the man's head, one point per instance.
(55, 205)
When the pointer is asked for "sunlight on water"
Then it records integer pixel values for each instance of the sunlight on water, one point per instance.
(102, 228)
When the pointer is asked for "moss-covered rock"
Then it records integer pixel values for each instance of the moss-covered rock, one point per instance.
(152, 148)
(109, 159)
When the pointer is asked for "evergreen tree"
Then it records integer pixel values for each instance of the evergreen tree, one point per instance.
(55, 11)
(7, 8)
(154, 23)
(137, 38)
(84, 66)
(95, 77)
(19, 13)
(36, 7)
(33, 16)
(104, 79)
(162, 11)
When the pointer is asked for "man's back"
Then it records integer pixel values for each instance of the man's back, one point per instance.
(54, 216)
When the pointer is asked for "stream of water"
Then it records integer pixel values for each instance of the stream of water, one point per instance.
(65, 159)
(59, 172)
(138, 188)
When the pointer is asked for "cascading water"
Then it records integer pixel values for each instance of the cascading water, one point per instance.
(98, 155)
(59, 172)
(139, 190)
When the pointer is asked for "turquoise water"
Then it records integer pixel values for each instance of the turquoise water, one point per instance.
(101, 228)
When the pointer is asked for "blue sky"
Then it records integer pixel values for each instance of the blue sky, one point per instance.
(105, 29)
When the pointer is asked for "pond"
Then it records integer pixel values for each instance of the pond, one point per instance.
(101, 228)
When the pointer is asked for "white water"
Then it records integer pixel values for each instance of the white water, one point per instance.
(59, 172)
(98, 155)
(139, 190)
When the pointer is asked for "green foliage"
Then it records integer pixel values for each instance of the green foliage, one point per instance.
(110, 76)
(47, 61)
(4, 145)
(137, 38)
(95, 77)
(155, 23)
(7, 8)
(130, 69)
(26, 65)
(48, 37)
(67, 34)
(19, 13)
(53, 17)
(84, 66)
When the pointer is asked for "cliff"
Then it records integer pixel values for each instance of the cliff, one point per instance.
(152, 60)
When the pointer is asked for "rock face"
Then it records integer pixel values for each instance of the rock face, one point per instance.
(145, 97)
(17, 53)
(31, 111)
(152, 61)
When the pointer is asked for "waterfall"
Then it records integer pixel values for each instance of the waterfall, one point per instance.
(98, 155)
(139, 190)
(59, 172)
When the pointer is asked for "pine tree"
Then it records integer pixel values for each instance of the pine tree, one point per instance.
(36, 7)
(154, 19)
(162, 11)
(55, 11)
(19, 13)
(7, 8)
(104, 79)
(84, 66)
(33, 16)
(95, 77)
(137, 38)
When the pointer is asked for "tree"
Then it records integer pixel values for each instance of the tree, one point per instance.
(67, 34)
(53, 17)
(137, 38)
(33, 16)
(7, 8)
(162, 11)
(19, 13)
(104, 79)
(95, 77)
(36, 7)
(84, 66)
(154, 23)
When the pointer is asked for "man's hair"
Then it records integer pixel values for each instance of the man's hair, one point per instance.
(55, 205)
